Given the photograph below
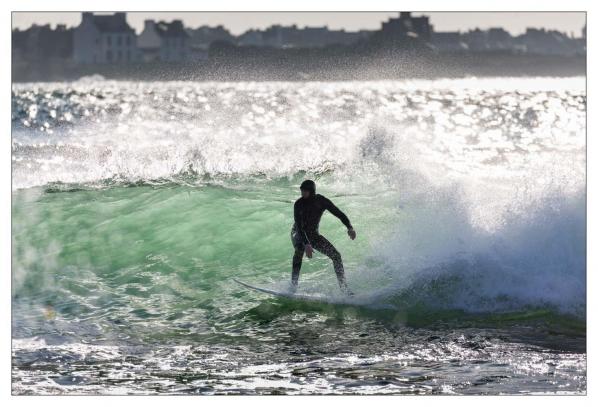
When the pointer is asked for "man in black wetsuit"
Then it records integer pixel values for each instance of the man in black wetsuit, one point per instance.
(306, 237)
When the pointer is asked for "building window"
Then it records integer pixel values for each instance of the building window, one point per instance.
(119, 55)
(108, 40)
(98, 41)
(128, 55)
(128, 40)
(109, 56)
(119, 40)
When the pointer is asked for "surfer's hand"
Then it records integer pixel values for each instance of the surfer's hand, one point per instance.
(351, 233)
(309, 251)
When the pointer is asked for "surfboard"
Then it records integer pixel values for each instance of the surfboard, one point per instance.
(355, 300)
(297, 296)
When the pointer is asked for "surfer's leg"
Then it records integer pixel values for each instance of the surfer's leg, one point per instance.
(322, 245)
(297, 258)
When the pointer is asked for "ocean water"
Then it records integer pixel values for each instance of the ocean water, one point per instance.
(134, 204)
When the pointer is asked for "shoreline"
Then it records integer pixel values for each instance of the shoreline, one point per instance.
(329, 69)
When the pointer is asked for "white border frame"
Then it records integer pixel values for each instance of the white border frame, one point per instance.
(304, 5)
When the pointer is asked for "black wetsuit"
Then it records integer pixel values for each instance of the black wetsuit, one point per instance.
(308, 212)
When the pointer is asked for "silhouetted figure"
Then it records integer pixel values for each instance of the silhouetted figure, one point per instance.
(305, 236)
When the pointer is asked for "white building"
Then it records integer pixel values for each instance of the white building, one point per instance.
(104, 39)
(166, 42)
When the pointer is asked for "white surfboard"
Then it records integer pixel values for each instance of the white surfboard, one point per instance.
(298, 296)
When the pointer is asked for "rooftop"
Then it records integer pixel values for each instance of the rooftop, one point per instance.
(116, 22)
(171, 30)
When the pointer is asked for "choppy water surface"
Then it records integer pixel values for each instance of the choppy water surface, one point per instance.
(134, 204)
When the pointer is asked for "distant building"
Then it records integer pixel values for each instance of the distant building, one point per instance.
(278, 36)
(41, 43)
(476, 40)
(450, 41)
(491, 40)
(166, 42)
(550, 42)
(404, 32)
(251, 38)
(407, 26)
(104, 39)
(203, 36)
(499, 39)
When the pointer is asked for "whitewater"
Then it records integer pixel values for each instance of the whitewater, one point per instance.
(134, 204)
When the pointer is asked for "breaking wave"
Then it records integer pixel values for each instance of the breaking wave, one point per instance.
(476, 191)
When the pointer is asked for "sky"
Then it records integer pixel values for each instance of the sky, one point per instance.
(239, 22)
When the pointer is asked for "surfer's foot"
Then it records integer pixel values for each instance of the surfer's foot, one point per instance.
(293, 287)
(347, 291)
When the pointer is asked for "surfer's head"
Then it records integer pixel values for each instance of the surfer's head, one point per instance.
(308, 188)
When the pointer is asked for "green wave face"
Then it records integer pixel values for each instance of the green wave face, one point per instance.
(166, 254)
(136, 258)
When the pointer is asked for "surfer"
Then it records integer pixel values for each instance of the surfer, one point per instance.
(305, 235)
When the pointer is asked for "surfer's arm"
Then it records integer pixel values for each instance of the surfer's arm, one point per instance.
(337, 212)
(299, 224)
